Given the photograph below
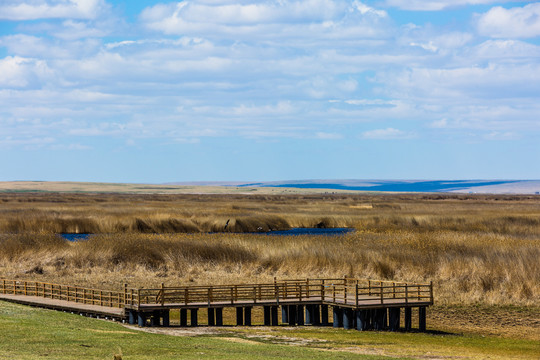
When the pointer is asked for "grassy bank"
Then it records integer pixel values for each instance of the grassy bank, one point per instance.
(29, 333)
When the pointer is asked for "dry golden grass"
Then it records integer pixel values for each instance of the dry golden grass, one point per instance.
(476, 249)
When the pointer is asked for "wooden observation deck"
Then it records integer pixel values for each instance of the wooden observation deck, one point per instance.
(363, 304)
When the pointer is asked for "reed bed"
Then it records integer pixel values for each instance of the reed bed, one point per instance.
(475, 249)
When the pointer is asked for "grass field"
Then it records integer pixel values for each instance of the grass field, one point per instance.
(29, 333)
(476, 249)
(481, 252)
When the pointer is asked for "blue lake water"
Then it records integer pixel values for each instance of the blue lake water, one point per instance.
(75, 237)
(310, 231)
(290, 232)
(395, 186)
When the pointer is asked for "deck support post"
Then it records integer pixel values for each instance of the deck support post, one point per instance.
(183, 317)
(379, 319)
(166, 318)
(422, 318)
(154, 318)
(239, 316)
(194, 321)
(292, 315)
(132, 317)
(284, 314)
(274, 315)
(394, 315)
(300, 315)
(348, 319)
(361, 320)
(408, 319)
(266, 313)
(324, 315)
(247, 316)
(219, 316)
(338, 317)
(309, 314)
(316, 319)
(141, 319)
(211, 317)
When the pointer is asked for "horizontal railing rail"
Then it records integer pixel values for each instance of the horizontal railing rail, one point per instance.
(70, 293)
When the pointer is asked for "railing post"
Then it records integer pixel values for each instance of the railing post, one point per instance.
(138, 299)
(356, 295)
(394, 288)
(232, 295)
(125, 294)
(431, 291)
(14, 287)
(25, 289)
(369, 287)
(418, 288)
(307, 288)
(406, 293)
(162, 294)
(382, 301)
(345, 293)
(209, 295)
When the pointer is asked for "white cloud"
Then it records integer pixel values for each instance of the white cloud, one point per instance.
(519, 22)
(270, 19)
(45, 48)
(328, 136)
(439, 124)
(430, 5)
(506, 50)
(471, 82)
(51, 9)
(19, 72)
(387, 134)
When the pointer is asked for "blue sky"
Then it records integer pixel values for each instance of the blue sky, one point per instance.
(217, 90)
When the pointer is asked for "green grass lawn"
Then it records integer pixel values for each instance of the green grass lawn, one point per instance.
(31, 333)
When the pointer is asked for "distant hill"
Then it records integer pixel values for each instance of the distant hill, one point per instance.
(525, 187)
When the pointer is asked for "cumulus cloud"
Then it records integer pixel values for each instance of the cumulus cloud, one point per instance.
(518, 22)
(429, 5)
(51, 9)
(271, 18)
(19, 72)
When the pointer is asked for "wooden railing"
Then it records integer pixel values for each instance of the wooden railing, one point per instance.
(346, 291)
(69, 293)
(339, 291)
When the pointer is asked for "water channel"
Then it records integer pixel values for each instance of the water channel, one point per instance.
(289, 232)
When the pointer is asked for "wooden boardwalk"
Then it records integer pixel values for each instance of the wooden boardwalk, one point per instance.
(355, 302)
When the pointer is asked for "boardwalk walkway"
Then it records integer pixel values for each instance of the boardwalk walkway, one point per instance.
(364, 304)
